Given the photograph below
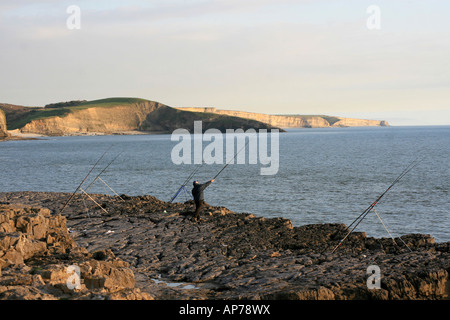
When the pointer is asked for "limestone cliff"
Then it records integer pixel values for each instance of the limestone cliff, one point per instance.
(128, 115)
(3, 128)
(94, 120)
(122, 116)
(294, 121)
(349, 122)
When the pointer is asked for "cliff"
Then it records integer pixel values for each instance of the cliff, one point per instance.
(294, 121)
(131, 115)
(3, 127)
(118, 116)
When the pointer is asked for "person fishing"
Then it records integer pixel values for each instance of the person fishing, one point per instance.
(199, 198)
(197, 190)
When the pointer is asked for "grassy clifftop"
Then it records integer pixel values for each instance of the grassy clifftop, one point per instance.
(19, 116)
(116, 115)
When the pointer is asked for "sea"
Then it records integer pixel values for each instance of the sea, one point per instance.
(325, 175)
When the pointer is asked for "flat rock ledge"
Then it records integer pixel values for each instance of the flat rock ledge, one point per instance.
(144, 248)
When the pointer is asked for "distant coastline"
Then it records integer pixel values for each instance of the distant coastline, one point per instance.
(294, 120)
(112, 116)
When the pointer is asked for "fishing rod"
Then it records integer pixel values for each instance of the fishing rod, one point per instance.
(358, 220)
(78, 188)
(185, 183)
(404, 172)
(98, 176)
(195, 171)
(226, 165)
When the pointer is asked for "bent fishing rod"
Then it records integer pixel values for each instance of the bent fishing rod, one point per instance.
(360, 218)
(78, 188)
(226, 165)
(195, 171)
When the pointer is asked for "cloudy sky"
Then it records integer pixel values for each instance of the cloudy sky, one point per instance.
(269, 56)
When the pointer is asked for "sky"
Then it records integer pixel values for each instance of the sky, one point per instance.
(377, 59)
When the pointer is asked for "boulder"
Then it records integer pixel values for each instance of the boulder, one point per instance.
(38, 258)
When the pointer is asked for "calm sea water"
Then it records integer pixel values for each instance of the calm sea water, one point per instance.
(327, 175)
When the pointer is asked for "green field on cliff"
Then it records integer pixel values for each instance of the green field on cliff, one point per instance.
(108, 102)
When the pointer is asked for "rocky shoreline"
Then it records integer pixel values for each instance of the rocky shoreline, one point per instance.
(144, 248)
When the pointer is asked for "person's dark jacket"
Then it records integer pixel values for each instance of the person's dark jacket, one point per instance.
(197, 191)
